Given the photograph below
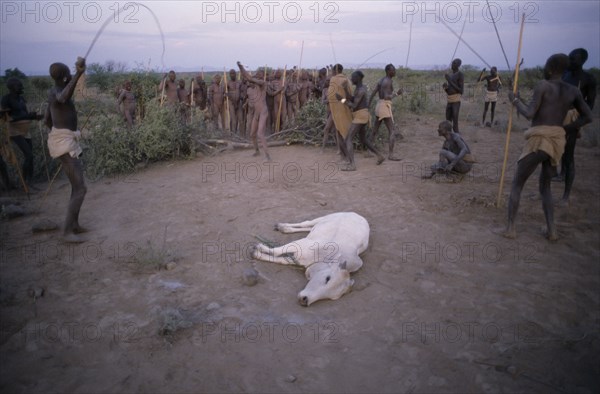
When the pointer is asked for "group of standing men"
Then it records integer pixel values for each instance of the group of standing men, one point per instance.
(226, 104)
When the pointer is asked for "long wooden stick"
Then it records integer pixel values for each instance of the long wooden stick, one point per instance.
(162, 93)
(227, 125)
(509, 127)
(459, 38)
(498, 34)
(409, 41)
(300, 64)
(464, 42)
(278, 122)
(192, 102)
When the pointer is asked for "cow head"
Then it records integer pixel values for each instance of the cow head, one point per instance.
(325, 281)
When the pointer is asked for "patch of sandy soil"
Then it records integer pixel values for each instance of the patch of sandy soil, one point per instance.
(442, 303)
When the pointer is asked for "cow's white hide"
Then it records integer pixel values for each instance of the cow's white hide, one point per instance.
(330, 252)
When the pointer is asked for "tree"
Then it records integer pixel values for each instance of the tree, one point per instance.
(14, 72)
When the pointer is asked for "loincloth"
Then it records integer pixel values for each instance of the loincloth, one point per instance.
(20, 127)
(361, 116)
(383, 109)
(549, 139)
(491, 97)
(61, 141)
(454, 98)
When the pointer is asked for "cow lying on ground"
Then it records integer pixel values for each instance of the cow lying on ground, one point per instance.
(330, 252)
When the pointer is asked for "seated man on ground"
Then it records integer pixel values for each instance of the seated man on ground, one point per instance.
(455, 155)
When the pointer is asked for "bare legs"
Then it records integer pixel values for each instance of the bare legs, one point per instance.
(74, 170)
(525, 168)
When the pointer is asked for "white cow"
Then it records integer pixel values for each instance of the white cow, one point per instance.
(330, 252)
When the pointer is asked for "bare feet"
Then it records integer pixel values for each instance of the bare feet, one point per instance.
(380, 160)
(73, 238)
(509, 233)
(552, 235)
(393, 158)
(256, 153)
(348, 167)
(563, 203)
(78, 230)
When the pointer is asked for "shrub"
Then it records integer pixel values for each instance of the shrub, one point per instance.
(108, 149)
(419, 102)
(111, 148)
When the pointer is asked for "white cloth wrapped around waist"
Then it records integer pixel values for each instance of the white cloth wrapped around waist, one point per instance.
(61, 141)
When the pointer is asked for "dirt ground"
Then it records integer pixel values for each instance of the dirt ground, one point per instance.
(442, 303)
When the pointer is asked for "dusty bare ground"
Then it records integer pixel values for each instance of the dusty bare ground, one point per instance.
(442, 304)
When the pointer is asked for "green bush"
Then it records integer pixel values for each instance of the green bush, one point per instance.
(162, 135)
(419, 102)
(108, 149)
(312, 116)
(112, 148)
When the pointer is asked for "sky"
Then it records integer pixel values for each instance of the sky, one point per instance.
(209, 35)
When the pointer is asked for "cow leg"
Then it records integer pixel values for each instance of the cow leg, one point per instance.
(297, 227)
(299, 252)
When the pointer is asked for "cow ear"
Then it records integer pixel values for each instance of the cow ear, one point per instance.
(343, 265)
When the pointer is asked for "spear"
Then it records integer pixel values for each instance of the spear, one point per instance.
(409, 41)
(464, 42)
(300, 64)
(510, 113)
(278, 122)
(192, 102)
(227, 125)
(162, 93)
(459, 38)
(498, 34)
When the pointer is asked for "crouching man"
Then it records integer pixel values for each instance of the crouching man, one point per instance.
(455, 155)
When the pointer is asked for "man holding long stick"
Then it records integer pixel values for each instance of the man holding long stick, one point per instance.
(552, 99)
(61, 117)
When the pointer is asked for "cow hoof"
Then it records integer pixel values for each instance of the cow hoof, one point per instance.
(255, 252)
